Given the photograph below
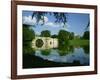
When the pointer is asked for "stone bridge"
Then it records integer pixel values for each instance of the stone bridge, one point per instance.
(48, 43)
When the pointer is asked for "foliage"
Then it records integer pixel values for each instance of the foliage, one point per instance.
(45, 52)
(87, 26)
(86, 49)
(65, 49)
(54, 36)
(45, 33)
(63, 36)
(59, 17)
(28, 36)
(71, 35)
(86, 35)
(27, 49)
(78, 42)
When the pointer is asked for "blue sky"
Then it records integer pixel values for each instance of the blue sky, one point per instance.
(76, 22)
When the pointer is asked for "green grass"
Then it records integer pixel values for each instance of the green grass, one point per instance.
(78, 42)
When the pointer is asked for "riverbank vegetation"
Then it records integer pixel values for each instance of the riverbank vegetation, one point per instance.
(28, 36)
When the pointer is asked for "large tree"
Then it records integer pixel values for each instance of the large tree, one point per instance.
(86, 35)
(63, 36)
(45, 33)
(71, 35)
(28, 36)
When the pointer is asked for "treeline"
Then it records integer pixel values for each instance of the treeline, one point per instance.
(64, 33)
(63, 37)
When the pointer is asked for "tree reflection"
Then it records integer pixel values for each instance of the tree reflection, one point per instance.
(65, 49)
(86, 49)
(45, 52)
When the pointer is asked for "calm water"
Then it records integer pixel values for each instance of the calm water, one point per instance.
(61, 56)
(68, 57)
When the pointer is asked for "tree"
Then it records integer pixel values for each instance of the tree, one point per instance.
(63, 37)
(65, 49)
(28, 36)
(86, 49)
(45, 33)
(88, 24)
(71, 35)
(86, 35)
(54, 36)
(59, 17)
(63, 34)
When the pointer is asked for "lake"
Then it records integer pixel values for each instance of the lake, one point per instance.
(63, 55)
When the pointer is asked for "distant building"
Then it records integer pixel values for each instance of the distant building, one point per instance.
(48, 42)
(77, 37)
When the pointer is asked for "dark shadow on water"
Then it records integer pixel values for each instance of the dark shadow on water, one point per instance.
(32, 61)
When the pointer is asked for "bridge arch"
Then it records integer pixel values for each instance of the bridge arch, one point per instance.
(47, 43)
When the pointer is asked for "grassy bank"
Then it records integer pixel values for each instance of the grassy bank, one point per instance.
(78, 42)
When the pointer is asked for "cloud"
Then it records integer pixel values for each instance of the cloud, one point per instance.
(65, 28)
(38, 33)
(45, 19)
(29, 20)
(32, 21)
(51, 24)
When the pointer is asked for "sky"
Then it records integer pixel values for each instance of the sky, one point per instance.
(76, 22)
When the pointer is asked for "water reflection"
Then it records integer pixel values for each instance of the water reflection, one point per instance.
(64, 53)
(77, 55)
(86, 49)
(65, 49)
(45, 52)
